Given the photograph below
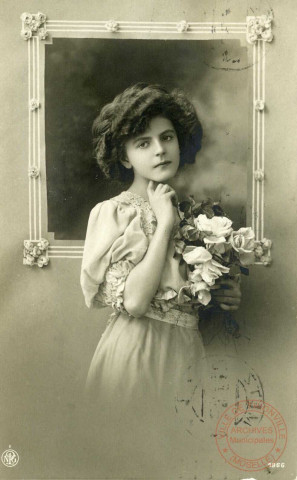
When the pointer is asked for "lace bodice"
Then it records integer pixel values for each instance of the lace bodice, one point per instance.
(148, 220)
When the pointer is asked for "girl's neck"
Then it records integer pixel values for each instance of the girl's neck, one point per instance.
(139, 186)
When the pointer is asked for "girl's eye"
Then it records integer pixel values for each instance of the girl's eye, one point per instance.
(168, 137)
(143, 144)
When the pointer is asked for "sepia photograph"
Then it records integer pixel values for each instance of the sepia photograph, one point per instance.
(148, 313)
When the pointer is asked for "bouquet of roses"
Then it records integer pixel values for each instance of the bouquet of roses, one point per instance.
(210, 247)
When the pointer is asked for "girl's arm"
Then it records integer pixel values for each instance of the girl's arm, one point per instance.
(144, 279)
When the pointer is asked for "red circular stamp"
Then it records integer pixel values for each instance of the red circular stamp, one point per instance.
(251, 434)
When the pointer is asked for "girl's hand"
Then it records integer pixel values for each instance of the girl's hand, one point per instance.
(160, 198)
(227, 293)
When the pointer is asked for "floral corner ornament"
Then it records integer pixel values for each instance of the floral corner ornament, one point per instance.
(182, 26)
(42, 33)
(112, 26)
(34, 104)
(33, 172)
(36, 252)
(259, 105)
(259, 28)
(259, 175)
(262, 251)
(33, 24)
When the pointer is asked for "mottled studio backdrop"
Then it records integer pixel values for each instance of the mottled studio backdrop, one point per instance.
(81, 75)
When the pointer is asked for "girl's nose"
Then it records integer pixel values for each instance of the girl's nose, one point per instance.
(159, 147)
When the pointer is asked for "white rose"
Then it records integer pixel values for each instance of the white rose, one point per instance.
(195, 276)
(202, 289)
(243, 239)
(216, 229)
(196, 255)
(243, 242)
(208, 272)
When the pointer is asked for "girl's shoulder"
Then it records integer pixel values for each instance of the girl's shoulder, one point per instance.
(142, 208)
(123, 208)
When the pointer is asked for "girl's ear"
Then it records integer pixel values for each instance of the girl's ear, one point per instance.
(126, 163)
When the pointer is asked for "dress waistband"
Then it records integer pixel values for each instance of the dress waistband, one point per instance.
(175, 317)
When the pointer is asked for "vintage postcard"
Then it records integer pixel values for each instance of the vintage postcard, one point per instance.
(149, 240)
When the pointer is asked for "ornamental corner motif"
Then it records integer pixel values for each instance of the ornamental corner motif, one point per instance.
(259, 175)
(259, 28)
(34, 104)
(35, 252)
(112, 26)
(263, 251)
(33, 171)
(182, 26)
(259, 105)
(33, 24)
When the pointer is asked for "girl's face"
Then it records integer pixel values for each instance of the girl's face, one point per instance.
(154, 154)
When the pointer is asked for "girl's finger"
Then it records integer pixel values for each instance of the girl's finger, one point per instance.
(169, 195)
(227, 300)
(227, 282)
(223, 306)
(159, 188)
(163, 187)
(226, 293)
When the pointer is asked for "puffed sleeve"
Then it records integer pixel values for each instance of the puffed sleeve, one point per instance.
(115, 243)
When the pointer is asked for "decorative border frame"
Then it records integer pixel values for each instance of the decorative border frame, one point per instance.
(37, 31)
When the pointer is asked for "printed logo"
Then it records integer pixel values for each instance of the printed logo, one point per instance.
(10, 458)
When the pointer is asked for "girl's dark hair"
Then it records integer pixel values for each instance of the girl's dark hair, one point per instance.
(130, 114)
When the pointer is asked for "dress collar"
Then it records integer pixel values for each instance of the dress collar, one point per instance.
(135, 198)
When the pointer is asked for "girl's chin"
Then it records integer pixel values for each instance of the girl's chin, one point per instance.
(163, 178)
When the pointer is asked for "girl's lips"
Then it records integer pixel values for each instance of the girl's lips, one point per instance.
(161, 164)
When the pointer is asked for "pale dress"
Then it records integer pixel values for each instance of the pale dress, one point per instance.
(145, 386)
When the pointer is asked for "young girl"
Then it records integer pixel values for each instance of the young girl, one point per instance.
(147, 381)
